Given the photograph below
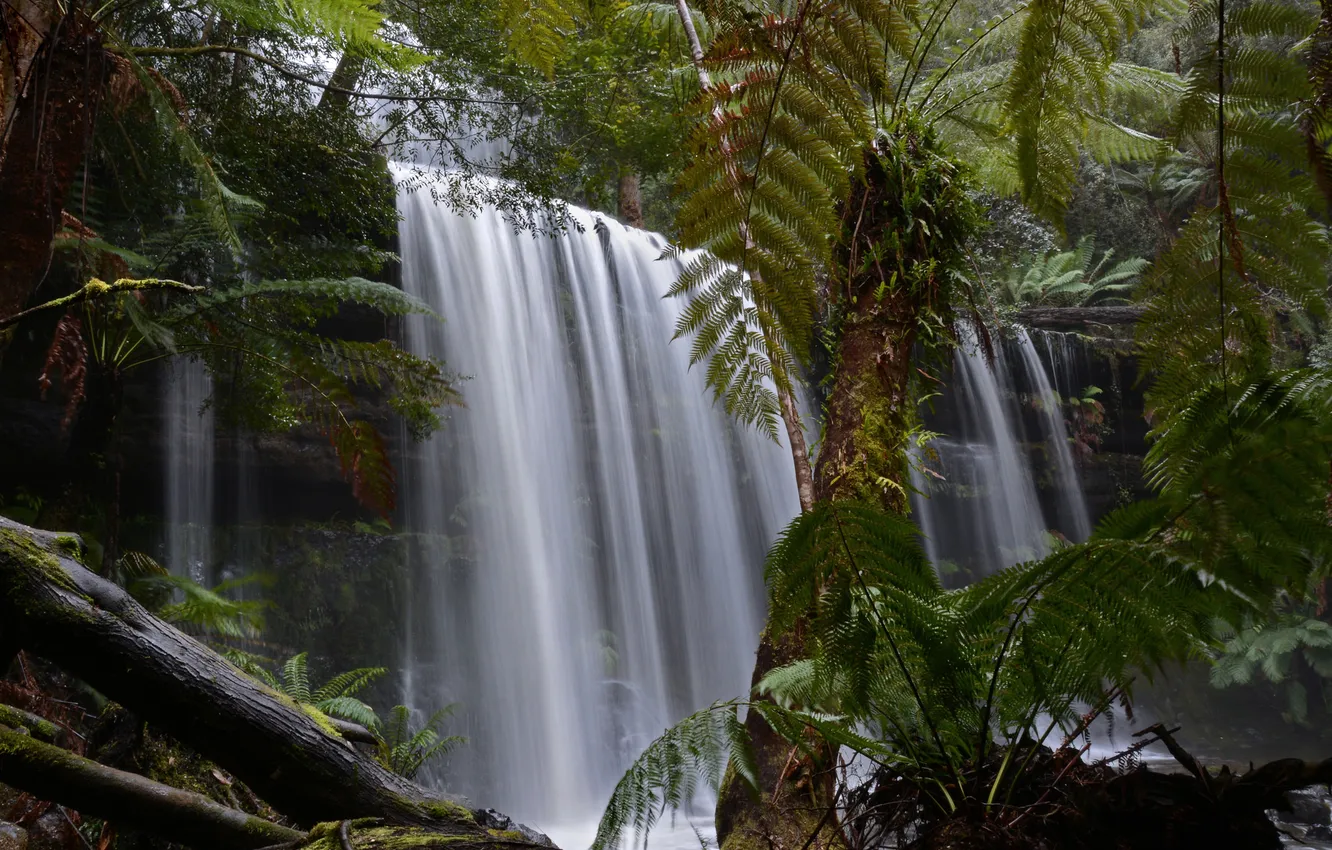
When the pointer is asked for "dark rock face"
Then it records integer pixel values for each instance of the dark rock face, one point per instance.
(284, 477)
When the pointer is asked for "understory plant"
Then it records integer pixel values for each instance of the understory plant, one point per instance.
(1072, 277)
(405, 747)
(1291, 648)
(336, 697)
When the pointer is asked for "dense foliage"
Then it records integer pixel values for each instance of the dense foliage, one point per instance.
(225, 195)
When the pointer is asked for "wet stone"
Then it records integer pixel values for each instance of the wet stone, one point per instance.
(13, 837)
(1309, 806)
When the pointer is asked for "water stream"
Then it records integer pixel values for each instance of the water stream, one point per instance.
(189, 469)
(591, 526)
(1002, 443)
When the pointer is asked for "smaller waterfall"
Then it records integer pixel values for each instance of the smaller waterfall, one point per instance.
(1071, 505)
(189, 469)
(1003, 446)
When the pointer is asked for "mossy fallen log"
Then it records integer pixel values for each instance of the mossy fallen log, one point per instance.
(37, 727)
(53, 606)
(48, 772)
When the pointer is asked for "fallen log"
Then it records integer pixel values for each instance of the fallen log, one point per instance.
(353, 732)
(37, 727)
(1078, 318)
(192, 819)
(293, 758)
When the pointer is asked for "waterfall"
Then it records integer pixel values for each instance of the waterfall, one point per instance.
(189, 469)
(590, 528)
(979, 495)
(1071, 504)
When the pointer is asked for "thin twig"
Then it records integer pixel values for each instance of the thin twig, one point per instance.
(204, 49)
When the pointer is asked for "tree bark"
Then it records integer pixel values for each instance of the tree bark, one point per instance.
(861, 456)
(47, 136)
(630, 199)
(50, 773)
(346, 76)
(24, 25)
(92, 628)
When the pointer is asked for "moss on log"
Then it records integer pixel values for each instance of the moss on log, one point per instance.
(94, 789)
(37, 727)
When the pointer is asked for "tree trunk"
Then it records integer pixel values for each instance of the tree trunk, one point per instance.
(347, 75)
(47, 136)
(60, 610)
(24, 25)
(861, 456)
(630, 199)
(868, 412)
(50, 773)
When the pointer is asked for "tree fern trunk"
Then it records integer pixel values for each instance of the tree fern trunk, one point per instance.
(48, 133)
(862, 452)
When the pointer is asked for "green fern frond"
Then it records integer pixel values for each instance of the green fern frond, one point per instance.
(669, 772)
(346, 684)
(296, 677)
(221, 206)
(536, 29)
(405, 752)
(349, 708)
(344, 23)
(322, 295)
(209, 611)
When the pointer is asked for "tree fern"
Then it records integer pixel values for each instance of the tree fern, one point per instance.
(1072, 277)
(1274, 651)
(803, 91)
(945, 679)
(1250, 251)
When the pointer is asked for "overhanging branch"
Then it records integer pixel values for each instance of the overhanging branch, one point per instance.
(96, 288)
(206, 49)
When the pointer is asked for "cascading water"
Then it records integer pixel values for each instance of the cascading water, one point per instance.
(1071, 505)
(189, 469)
(590, 526)
(979, 502)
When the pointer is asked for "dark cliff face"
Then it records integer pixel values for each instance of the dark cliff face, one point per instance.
(292, 476)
